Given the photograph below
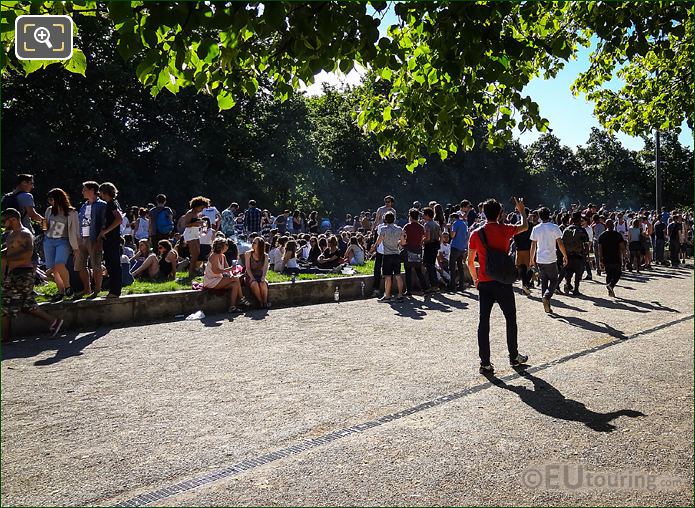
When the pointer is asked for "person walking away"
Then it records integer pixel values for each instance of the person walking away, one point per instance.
(17, 274)
(484, 240)
(60, 240)
(635, 239)
(575, 240)
(611, 247)
(546, 240)
(522, 257)
(586, 223)
(111, 238)
(674, 243)
(161, 220)
(412, 238)
(430, 245)
(598, 227)
(659, 241)
(91, 219)
(390, 235)
(459, 250)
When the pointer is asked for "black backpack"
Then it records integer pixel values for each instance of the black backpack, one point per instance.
(10, 200)
(499, 265)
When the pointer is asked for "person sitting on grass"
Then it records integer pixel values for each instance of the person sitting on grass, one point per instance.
(256, 269)
(141, 255)
(331, 256)
(276, 255)
(218, 274)
(354, 254)
(159, 267)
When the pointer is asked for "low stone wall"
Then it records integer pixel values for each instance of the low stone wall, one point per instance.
(129, 309)
(86, 315)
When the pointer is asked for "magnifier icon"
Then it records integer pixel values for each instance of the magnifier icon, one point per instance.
(43, 36)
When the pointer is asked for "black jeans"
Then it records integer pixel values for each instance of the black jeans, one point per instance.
(112, 260)
(377, 271)
(503, 294)
(429, 259)
(613, 273)
(456, 262)
(575, 266)
(408, 266)
(659, 250)
(674, 249)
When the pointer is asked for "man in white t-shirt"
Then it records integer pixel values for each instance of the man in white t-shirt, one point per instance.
(544, 237)
(212, 213)
(381, 212)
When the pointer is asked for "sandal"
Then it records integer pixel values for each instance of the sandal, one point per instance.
(235, 310)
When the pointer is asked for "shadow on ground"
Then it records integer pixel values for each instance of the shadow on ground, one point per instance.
(549, 401)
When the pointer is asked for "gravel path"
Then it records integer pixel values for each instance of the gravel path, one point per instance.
(102, 417)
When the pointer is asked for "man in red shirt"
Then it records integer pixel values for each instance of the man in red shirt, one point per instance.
(412, 238)
(497, 237)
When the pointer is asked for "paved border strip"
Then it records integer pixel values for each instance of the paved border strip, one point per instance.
(240, 467)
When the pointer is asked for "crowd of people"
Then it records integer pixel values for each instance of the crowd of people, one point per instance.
(98, 245)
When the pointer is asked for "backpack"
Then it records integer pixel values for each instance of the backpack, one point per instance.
(573, 238)
(499, 265)
(164, 223)
(10, 200)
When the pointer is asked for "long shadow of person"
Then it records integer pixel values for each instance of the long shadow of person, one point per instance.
(599, 326)
(548, 400)
(71, 346)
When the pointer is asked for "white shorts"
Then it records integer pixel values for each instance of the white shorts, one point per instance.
(192, 233)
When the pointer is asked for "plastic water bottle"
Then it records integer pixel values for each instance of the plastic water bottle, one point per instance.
(336, 294)
(362, 288)
(294, 278)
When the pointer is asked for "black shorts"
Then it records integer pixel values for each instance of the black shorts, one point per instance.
(391, 265)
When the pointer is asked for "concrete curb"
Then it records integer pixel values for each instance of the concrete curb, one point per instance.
(130, 309)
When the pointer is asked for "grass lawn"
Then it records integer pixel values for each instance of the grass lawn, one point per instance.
(49, 290)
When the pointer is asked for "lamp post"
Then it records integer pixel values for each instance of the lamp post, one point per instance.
(658, 173)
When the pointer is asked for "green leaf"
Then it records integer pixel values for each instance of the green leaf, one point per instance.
(386, 73)
(387, 113)
(225, 100)
(78, 62)
(30, 66)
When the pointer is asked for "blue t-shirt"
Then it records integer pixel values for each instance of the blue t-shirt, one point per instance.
(460, 241)
(24, 200)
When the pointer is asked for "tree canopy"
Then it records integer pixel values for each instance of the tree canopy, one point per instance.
(444, 69)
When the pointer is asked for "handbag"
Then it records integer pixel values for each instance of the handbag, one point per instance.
(499, 265)
(414, 257)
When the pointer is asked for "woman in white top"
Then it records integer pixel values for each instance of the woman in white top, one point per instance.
(191, 234)
(60, 239)
(142, 226)
(218, 273)
(207, 235)
(289, 260)
(276, 255)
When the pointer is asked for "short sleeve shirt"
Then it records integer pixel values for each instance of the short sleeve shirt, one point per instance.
(546, 235)
(460, 241)
(498, 237)
(111, 207)
(25, 199)
(392, 236)
(414, 234)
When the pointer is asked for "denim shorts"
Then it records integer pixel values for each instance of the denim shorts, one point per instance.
(56, 250)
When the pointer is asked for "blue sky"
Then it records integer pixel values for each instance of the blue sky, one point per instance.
(571, 118)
